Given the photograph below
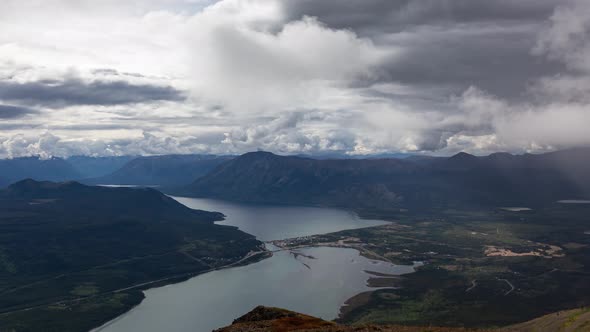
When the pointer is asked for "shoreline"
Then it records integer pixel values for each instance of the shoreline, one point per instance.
(349, 304)
(181, 278)
(246, 260)
(376, 280)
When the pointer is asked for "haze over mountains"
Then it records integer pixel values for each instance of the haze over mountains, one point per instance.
(54, 169)
(384, 183)
(162, 170)
(463, 179)
(58, 169)
(92, 167)
(166, 170)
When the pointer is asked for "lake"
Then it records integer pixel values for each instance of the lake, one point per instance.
(317, 285)
(280, 222)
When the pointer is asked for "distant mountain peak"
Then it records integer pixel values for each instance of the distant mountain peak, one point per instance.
(165, 170)
(259, 154)
(29, 183)
(35, 183)
(501, 154)
(31, 186)
(462, 161)
(463, 156)
(52, 169)
(501, 157)
(263, 157)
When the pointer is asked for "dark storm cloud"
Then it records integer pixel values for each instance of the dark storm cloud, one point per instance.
(496, 60)
(455, 43)
(72, 92)
(11, 112)
(377, 16)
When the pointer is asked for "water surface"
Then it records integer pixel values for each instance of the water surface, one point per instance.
(574, 201)
(317, 283)
(214, 299)
(516, 209)
(280, 222)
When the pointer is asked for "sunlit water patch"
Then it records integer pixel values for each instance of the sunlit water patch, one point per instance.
(574, 201)
(516, 209)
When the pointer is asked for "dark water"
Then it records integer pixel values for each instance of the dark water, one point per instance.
(281, 222)
(316, 286)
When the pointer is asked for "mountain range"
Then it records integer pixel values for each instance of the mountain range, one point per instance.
(92, 167)
(499, 179)
(166, 170)
(52, 169)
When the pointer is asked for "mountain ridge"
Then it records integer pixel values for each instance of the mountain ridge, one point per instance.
(163, 170)
(50, 169)
(263, 177)
(91, 167)
(270, 319)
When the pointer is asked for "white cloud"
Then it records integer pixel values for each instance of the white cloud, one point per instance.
(523, 126)
(248, 69)
(258, 79)
(566, 39)
(47, 145)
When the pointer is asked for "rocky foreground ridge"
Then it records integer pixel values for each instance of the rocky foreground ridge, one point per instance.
(281, 320)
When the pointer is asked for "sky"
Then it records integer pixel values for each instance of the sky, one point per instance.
(145, 77)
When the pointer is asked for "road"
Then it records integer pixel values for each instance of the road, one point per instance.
(509, 284)
(473, 285)
(140, 285)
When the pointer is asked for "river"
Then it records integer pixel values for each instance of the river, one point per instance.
(317, 283)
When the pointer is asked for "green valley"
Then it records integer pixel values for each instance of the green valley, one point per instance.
(481, 268)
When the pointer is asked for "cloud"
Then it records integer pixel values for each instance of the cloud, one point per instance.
(558, 113)
(69, 92)
(527, 126)
(242, 67)
(549, 110)
(10, 111)
(295, 132)
(47, 145)
(291, 76)
(566, 39)
(371, 17)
